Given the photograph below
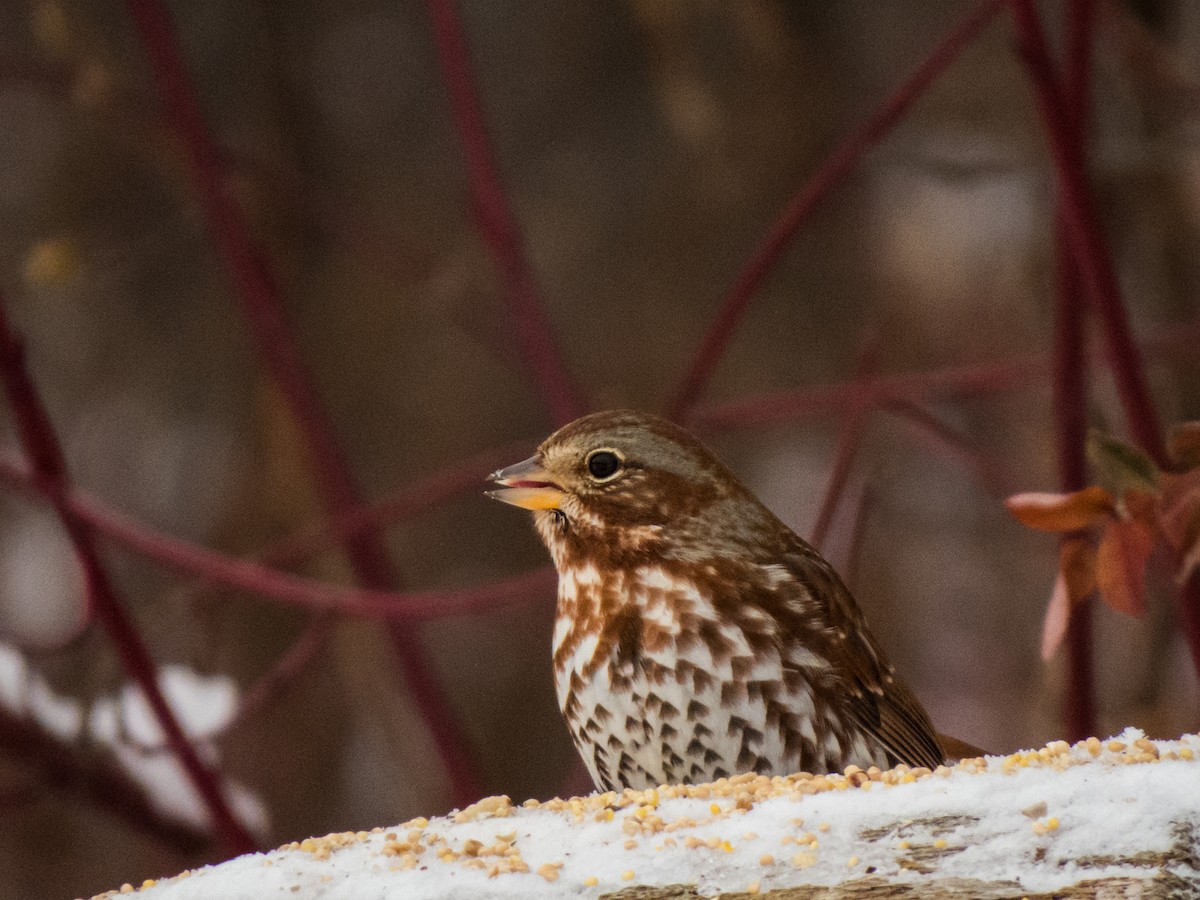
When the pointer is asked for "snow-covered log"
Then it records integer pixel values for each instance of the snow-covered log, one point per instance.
(1118, 818)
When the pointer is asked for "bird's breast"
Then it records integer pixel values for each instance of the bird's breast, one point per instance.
(657, 687)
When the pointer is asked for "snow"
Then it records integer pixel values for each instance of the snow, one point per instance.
(124, 723)
(1033, 817)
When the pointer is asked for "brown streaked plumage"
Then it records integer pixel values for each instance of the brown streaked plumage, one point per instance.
(696, 635)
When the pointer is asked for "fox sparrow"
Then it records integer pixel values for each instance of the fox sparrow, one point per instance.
(696, 635)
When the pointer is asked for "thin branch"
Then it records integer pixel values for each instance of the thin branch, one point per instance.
(832, 173)
(271, 684)
(62, 766)
(271, 584)
(262, 304)
(402, 504)
(849, 441)
(790, 405)
(858, 527)
(942, 438)
(497, 224)
(1085, 237)
(1091, 257)
(1001, 375)
(1070, 365)
(854, 423)
(48, 474)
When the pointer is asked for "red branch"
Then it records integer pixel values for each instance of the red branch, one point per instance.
(858, 527)
(940, 437)
(64, 767)
(786, 406)
(975, 379)
(1091, 258)
(1070, 366)
(1090, 255)
(262, 303)
(268, 583)
(854, 423)
(49, 474)
(497, 224)
(1085, 236)
(402, 504)
(830, 175)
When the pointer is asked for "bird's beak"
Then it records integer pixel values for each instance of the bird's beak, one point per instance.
(526, 485)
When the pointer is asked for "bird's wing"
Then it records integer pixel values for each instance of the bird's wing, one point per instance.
(877, 697)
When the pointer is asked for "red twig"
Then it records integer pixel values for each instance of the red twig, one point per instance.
(272, 683)
(1085, 237)
(830, 175)
(268, 583)
(402, 504)
(854, 423)
(405, 503)
(1070, 366)
(941, 437)
(1091, 257)
(63, 766)
(949, 381)
(849, 440)
(275, 680)
(858, 527)
(783, 406)
(258, 292)
(49, 474)
(497, 224)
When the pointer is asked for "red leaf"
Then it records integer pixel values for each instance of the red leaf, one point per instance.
(1076, 581)
(1077, 564)
(1121, 565)
(1061, 512)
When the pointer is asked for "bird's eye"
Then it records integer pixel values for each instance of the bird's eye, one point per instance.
(603, 464)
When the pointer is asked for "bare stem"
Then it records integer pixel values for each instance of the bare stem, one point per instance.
(831, 174)
(1085, 237)
(262, 303)
(267, 583)
(1011, 373)
(497, 224)
(1091, 257)
(1070, 366)
(49, 474)
(63, 767)
(850, 434)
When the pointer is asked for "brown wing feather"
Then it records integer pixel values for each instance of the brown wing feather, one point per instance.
(881, 702)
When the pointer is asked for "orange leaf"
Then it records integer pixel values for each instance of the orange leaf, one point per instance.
(1121, 565)
(1184, 444)
(1076, 581)
(1061, 512)
(1054, 623)
(1077, 564)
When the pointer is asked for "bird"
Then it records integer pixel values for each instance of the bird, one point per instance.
(696, 636)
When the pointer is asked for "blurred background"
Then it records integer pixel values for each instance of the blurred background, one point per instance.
(646, 147)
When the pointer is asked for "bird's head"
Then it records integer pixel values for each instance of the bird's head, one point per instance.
(619, 483)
